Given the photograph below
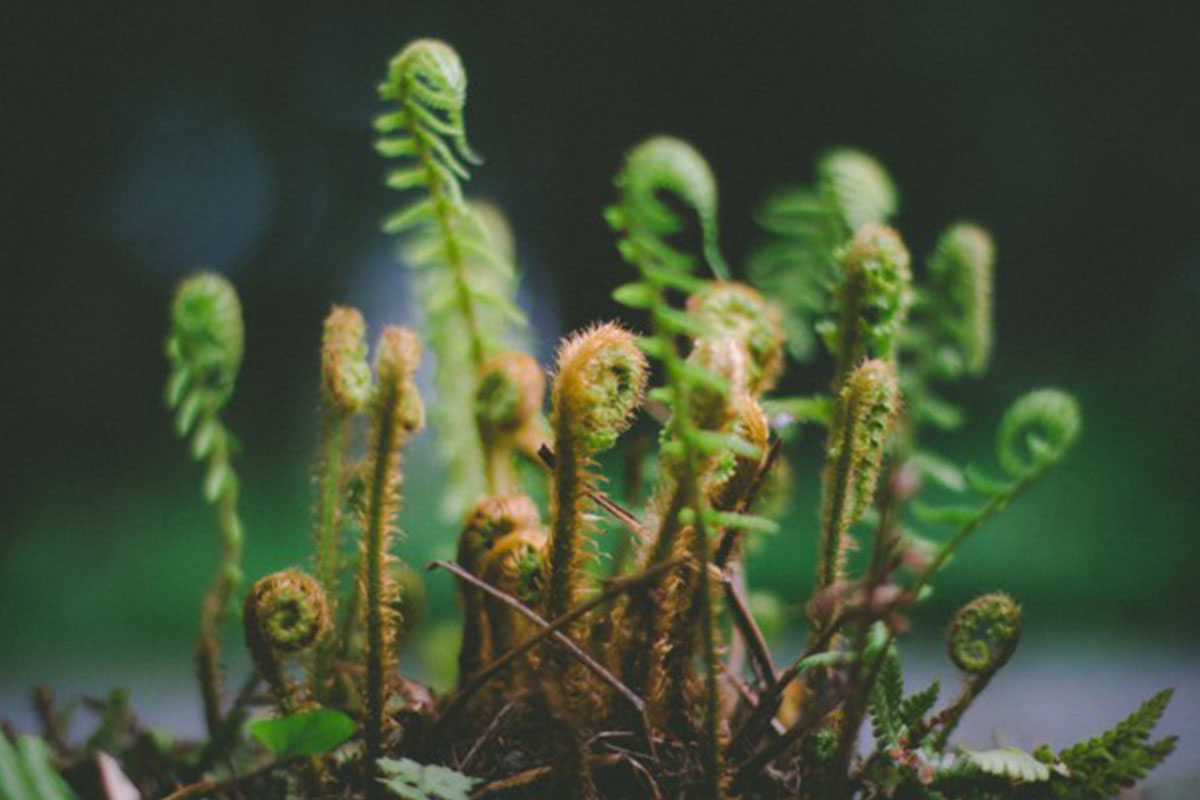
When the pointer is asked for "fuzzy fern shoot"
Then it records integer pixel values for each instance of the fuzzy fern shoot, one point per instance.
(646, 675)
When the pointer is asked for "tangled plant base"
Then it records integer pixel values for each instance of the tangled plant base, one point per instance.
(649, 678)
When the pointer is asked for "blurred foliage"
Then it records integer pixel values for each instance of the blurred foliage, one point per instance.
(1054, 127)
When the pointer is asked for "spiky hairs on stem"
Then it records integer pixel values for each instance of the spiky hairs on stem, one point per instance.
(873, 299)
(599, 384)
(284, 614)
(462, 253)
(864, 416)
(395, 413)
(345, 391)
(204, 347)
(960, 273)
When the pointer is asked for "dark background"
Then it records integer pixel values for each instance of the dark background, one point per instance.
(146, 139)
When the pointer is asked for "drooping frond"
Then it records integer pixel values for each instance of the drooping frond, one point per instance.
(461, 250)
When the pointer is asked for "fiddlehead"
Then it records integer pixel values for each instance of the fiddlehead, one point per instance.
(284, 614)
(204, 348)
(1036, 432)
(873, 299)
(960, 297)
(984, 634)
(494, 517)
(864, 418)
(395, 413)
(665, 164)
(642, 220)
(735, 310)
(508, 413)
(345, 391)
(600, 380)
(857, 188)
(982, 638)
(798, 264)
(462, 251)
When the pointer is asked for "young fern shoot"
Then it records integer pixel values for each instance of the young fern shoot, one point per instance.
(465, 275)
(395, 413)
(204, 348)
(643, 221)
(345, 391)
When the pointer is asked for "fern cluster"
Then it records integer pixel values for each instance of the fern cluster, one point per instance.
(652, 678)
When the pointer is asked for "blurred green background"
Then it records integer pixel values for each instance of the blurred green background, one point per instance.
(147, 139)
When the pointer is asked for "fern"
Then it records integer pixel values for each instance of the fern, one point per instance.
(1101, 767)
(1035, 433)
(798, 265)
(27, 771)
(462, 251)
(916, 706)
(887, 701)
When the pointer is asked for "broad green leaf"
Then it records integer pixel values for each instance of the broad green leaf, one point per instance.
(308, 733)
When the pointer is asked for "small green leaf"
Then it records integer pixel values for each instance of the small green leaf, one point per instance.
(634, 295)
(308, 733)
(413, 781)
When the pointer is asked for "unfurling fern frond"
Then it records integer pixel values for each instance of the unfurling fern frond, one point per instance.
(1035, 433)
(462, 251)
(798, 265)
(665, 164)
(284, 613)
(873, 299)
(204, 348)
(864, 416)
(960, 298)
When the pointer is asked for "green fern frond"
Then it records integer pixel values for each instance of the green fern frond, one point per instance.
(798, 265)
(886, 701)
(27, 771)
(1101, 767)
(462, 251)
(1036, 432)
(916, 706)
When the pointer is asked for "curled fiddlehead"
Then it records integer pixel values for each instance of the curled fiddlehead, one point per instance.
(798, 264)
(600, 380)
(726, 308)
(462, 251)
(984, 634)
(694, 392)
(982, 638)
(345, 391)
(1036, 432)
(204, 348)
(284, 614)
(494, 517)
(508, 406)
(395, 412)
(856, 187)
